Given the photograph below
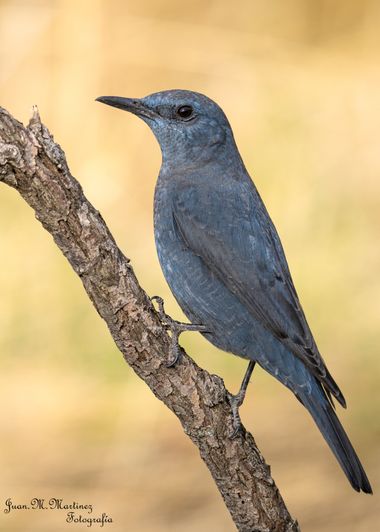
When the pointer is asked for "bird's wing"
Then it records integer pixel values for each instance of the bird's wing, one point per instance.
(227, 225)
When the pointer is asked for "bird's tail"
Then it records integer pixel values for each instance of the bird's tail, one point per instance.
(336, 437)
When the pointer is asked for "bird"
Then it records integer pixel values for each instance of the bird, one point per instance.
(224, 262)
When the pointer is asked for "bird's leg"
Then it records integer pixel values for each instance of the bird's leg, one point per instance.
(176, 328)
(237, 400)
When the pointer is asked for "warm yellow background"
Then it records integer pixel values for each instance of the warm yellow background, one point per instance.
(299, 81)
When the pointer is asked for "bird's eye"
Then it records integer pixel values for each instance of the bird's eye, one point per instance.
(185, 111)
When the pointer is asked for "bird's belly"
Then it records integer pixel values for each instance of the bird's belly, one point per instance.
(204, 298)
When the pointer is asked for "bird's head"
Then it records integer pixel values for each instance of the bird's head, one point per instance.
(189, 126)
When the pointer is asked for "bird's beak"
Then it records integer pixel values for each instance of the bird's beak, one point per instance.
(135, 106)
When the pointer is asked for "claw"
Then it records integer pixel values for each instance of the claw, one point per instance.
(235, 403)
(160, 303)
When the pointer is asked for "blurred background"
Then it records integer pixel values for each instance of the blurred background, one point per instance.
(299, 81)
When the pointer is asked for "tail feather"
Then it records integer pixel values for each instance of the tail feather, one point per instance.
(337, 439)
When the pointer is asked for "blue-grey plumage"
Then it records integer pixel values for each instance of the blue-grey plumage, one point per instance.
(223, 259)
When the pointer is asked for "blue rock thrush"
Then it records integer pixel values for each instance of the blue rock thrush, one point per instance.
(224, 262)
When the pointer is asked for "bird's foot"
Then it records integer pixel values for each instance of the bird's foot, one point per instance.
(235, 402)
(175, 328)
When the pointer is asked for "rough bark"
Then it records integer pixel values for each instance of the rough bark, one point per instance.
(33, 164)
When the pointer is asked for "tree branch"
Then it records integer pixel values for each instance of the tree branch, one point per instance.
(33, 164)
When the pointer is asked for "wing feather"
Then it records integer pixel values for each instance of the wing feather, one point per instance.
(243, 249)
